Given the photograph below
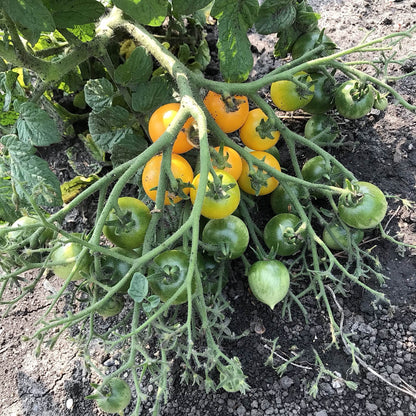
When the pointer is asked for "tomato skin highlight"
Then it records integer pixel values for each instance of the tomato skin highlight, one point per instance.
(245, 181)
(169, 274)
(286, 95)
(250, 131)
(269, 281)
(212, 207)
(130, 237)
(229, 113)
(336, 238)
(180, 168)
(230, 231)
(281, 234)
(159, 122)
(232, 158)
(353, 99)
(364, 209)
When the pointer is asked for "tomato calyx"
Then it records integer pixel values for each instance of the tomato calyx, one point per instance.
(266, 129)
(219, 158)
(232, 103)
(217, 189)
(353, 195)
(303, 85)
(359, 90)
(122, 223)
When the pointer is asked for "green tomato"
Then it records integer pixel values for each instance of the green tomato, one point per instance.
(288, 96)
(269, 281)
(116, 397)
(310, 40)
(24, 233)
(168, 273)
(129, 230)
(316, 170)
(112, 306)
(336, 236)
(321, 128)
(281, 202)
(283, 234)
(354, 99)
(323, 94)
(112, 270)
(364, 207)
(228, 235)
(209, 269)
(66, 257)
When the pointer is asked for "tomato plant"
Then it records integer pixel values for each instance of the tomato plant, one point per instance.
(229, 112)
(182, 172)
(269, 281)
(227, 159)
(289, 96)
(354, 99)
(257, 182)
(24, 232)
(112, 306)
(168, 273)
(258, 133)
(363, 207)
(213, 281)
(222, 195)
(285, 234)
(228, 237)
(126, 227)
(323, 98)
(337, 236)
(160, 121)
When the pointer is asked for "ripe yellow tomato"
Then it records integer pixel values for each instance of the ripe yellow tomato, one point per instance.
(180, 168)
(229, 113)
(159, 122)
(266, 185)
(256, 133)
(229, 161)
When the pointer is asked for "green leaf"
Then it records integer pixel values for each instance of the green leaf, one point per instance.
(8, 211)
(137, 68)
(35, 126)
(149, 95)
(285, 42)
(84, 33)
(138, 287)
(152, 302)
(30, 175)
(127, 148)
(109, 127)
(146, 12)
(187, 7)
(275, 16)
(31, 16)
(234, 48)
(70, 13)
(99, 93)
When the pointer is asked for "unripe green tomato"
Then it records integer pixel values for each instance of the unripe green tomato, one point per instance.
(269, 281)
(116, 398)
(317, 124)
(335, 236)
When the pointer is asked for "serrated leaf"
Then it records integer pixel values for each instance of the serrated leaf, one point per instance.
(31, 16)
(146, 12)
(70, 13)
(35, 126)
(137, 68)
(139, 287)
(151, 94)
(187, 7)
(275, 16)
(234, 48)
(99, 93)
(285, 42)
(109, 127)
(30, 175)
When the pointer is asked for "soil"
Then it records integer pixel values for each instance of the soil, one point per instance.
(381, 150)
